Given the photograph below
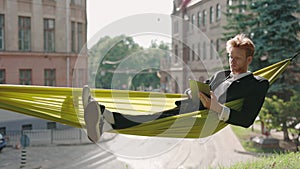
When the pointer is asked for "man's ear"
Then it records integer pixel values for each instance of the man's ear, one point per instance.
(249, 59)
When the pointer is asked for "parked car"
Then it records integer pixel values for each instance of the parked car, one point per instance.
(2, 142)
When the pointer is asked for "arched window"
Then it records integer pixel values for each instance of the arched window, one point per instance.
(211, 15)
(199, 19)
(193, 20)
(204, 18)
(218, 12)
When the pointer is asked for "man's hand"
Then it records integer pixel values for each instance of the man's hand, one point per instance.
(210, 103)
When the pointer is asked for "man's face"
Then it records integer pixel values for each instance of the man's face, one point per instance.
(238, 61)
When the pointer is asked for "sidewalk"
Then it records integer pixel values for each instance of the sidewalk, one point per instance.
(273, 133)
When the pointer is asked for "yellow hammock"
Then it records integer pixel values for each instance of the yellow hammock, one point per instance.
(64, 105)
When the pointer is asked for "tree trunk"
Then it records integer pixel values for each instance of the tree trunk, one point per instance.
(285, 132)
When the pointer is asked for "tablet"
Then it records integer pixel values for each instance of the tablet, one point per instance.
(197, 87)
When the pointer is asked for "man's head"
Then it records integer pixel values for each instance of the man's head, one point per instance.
(240, 50)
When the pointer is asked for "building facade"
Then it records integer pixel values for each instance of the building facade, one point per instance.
(40, 44)
(197, 46)
(40, 41)
(196, 43)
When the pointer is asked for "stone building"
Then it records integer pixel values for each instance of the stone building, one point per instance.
(196, 42)
(197, 45)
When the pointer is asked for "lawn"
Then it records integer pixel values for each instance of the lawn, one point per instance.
(276, 161)
(279, 158)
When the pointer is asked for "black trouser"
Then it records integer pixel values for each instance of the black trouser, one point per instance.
(125, 121)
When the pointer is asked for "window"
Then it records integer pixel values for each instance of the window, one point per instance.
(51, 125)
(199, 19)
(218, 45)
(176, 53)
(24, 33)
(27, 127)
(76, 2)
(204, 50)
(50, 76)
(242, 6)
(204, 18)
(176, 85)
(229, 4)
(2, 76)
(193, 21)
(25, 76)
(218, 12)
(3, 131)
(193, 52)
(73, 37)
(1, 32)
(211, 49)
(188, 53)
(80, 36)
(199, 51)
(211, 15)
(49, 35)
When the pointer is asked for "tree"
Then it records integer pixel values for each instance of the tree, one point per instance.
(105, 57)
(151, 62)
(282, 115)
(123, 64)
(276, 38)
(239, 19)
(274, 29)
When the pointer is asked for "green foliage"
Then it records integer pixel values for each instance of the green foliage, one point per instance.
(274, 27)
(120, 63)
(106, 56)
(238, 20)
(279, 161)
(282, 115)
(245, 134)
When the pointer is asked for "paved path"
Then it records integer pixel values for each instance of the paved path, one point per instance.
(133, 152)
(220, 149)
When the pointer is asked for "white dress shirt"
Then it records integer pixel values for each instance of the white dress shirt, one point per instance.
(222, 88)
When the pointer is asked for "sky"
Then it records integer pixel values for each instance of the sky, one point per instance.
(104, 16)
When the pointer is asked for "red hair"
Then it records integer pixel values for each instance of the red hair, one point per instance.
(243, 42)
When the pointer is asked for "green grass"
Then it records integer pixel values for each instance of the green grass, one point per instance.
(277, 161)
(245, 134)
(269, 158)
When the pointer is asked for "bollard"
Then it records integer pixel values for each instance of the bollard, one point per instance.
(23, 158)
(25, 142)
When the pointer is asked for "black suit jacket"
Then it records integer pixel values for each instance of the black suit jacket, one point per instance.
(252, 89)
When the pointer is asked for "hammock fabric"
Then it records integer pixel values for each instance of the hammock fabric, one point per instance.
(64, 105)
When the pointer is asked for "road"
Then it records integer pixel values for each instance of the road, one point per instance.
(133, 152)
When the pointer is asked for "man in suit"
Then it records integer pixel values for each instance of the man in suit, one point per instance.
(226, 86)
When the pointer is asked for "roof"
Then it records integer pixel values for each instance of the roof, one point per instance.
(193, 2)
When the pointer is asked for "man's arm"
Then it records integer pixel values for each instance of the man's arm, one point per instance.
(251, 106)
(250, 109)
